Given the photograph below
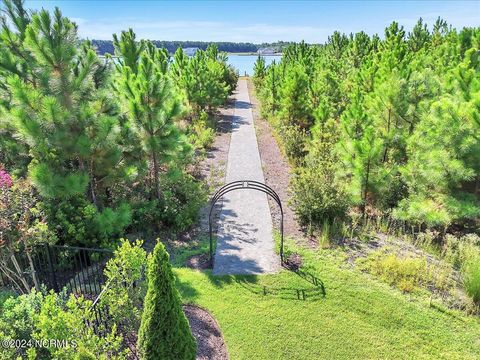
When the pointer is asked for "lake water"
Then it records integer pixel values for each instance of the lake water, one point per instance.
(244, 63)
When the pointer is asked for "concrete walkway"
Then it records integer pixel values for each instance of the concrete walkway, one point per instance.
(244, 240)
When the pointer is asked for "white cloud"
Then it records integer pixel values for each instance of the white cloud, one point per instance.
(103, 28)
(199, 30)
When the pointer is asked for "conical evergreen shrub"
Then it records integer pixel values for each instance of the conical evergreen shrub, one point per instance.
(164, 332)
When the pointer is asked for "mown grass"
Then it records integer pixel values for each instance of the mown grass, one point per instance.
(358, 318)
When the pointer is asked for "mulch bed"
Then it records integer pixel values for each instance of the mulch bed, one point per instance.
(200, 262)
(205, 330)
(293, 262)
(210, 343)
(276, 170)
(212, 168)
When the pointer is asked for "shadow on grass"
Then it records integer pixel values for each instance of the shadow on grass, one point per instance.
(186, 288)
(311, 278)
(314, 288)
(286, 292)
(220, 281)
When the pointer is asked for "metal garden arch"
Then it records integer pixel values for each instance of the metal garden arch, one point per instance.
(244, 184)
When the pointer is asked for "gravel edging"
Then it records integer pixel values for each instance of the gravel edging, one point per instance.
(212, 170)
(276, 170)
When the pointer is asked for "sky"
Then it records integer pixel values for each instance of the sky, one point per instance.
(254, 21)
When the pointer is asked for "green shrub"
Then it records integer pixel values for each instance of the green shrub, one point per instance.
(145, 214)
(66, 320)
(230, 77)
(126, 289)
(294, 143)
(18, 315)
(202, 134)
(316, 199)
(78, 222)
(35, 316)
(164, 332)
(5, 295)
(182, 198)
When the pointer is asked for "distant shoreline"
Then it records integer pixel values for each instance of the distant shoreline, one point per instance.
(252, 53)
(228, 53)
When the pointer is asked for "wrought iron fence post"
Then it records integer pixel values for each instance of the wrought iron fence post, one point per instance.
(50, 267)
(211, 240)
(281, 234)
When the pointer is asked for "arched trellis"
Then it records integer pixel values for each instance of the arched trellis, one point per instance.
(239, 185)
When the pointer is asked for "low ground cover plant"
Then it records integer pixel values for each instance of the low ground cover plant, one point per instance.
(406, 272)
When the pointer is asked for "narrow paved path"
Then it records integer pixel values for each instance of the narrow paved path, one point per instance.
(244, 240)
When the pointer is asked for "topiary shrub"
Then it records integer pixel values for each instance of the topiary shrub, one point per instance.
(164, 331)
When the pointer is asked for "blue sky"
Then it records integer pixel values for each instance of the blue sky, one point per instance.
(254, 21)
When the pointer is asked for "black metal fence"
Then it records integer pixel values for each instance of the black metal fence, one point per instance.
(78, 269)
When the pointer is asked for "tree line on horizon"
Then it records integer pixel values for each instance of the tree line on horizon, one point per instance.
(107, 47)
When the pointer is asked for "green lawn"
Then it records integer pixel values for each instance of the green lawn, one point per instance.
(359, 318)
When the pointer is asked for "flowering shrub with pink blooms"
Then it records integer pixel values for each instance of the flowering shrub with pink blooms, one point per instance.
(5, 179)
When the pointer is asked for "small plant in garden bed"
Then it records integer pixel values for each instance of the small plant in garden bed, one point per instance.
(39, 316)
(126, 288)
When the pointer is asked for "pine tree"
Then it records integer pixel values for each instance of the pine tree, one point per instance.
(14, 59)
(152, 106)
(203, 79)
(295, 104)
(69, 122)
(259, 70)
(164, 331)
(128, 50)
(419, 37)
(400, 102)
(269, 91)
(443, 170)
(361, 152)
(61, 118)
(318, 197)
